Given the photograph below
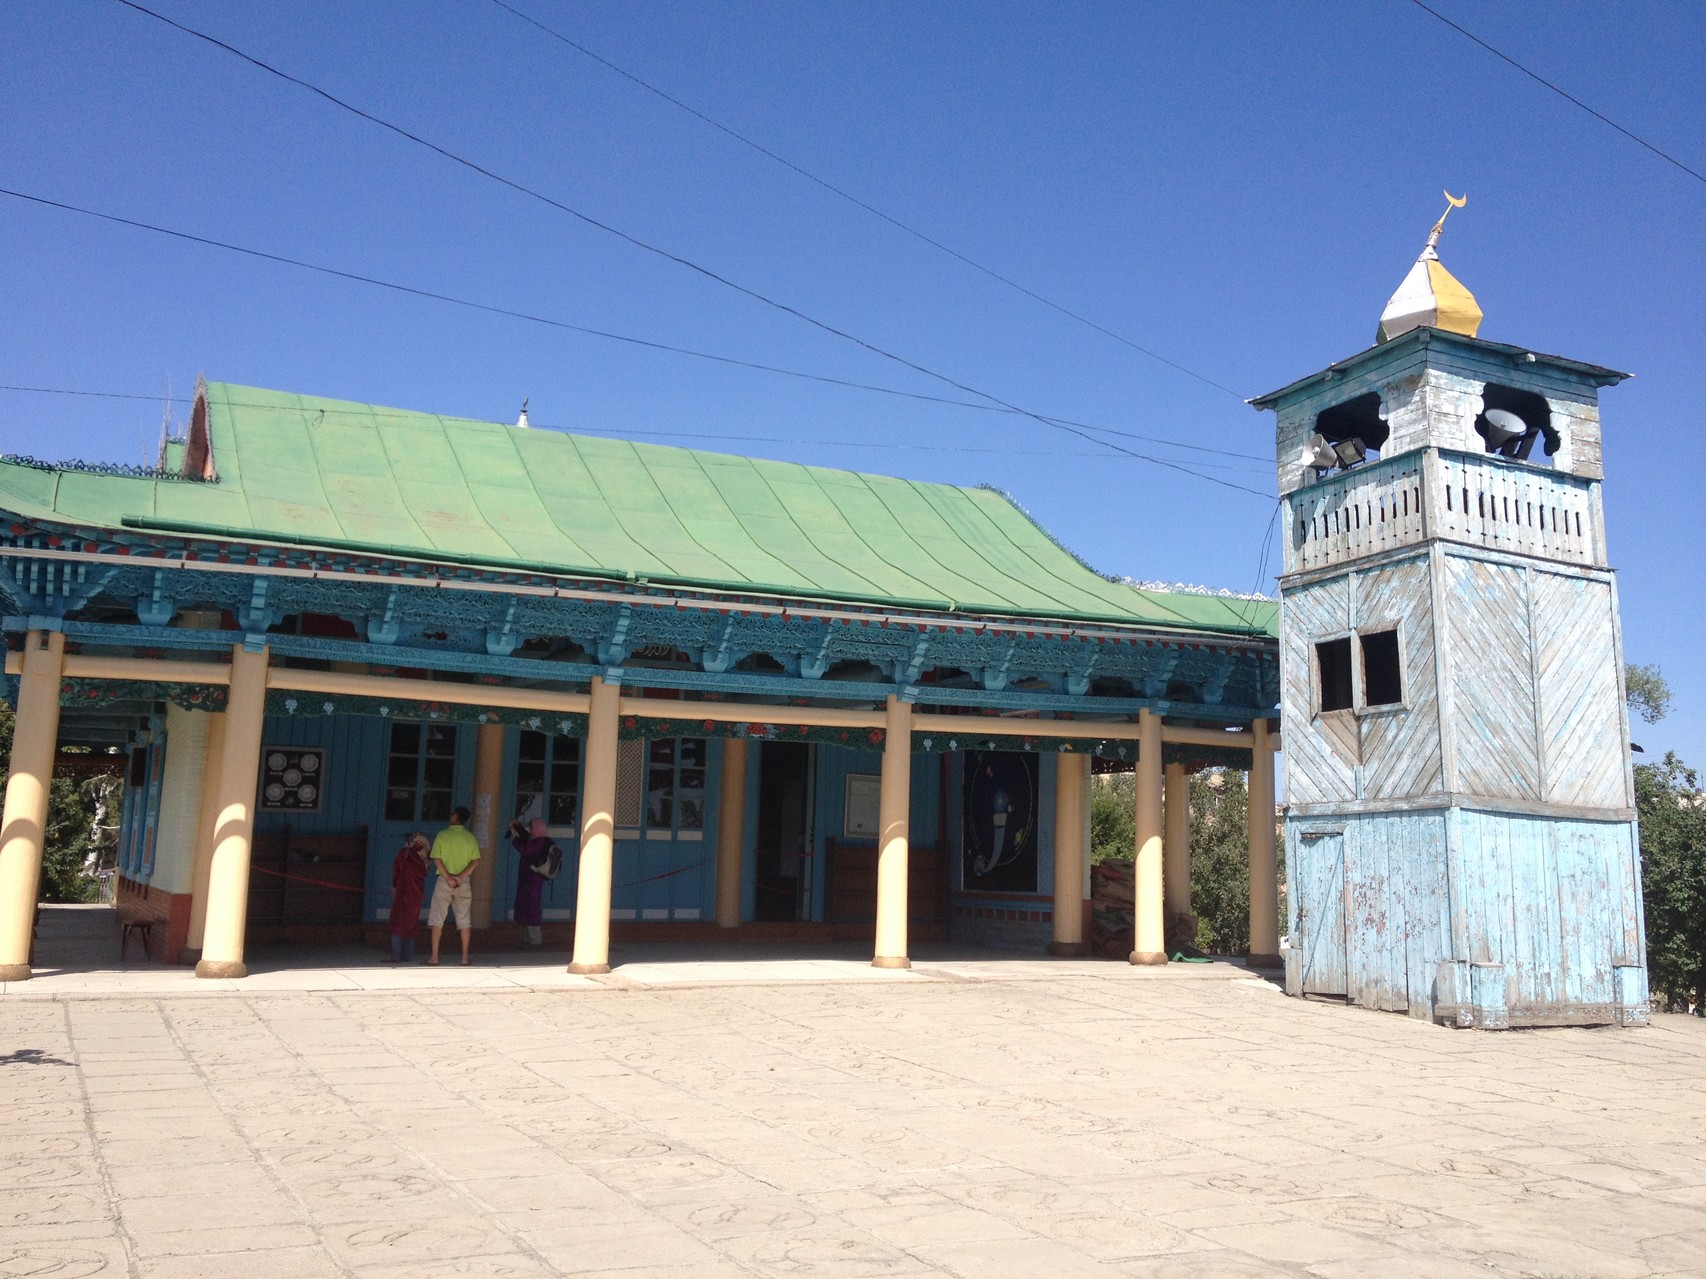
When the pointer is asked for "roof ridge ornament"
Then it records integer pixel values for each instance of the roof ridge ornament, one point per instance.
(1430, 296)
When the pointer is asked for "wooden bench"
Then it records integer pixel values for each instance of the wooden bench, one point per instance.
(130, 921)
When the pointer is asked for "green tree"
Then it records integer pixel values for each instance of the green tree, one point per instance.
(1648, 694)
(1672, 813)
(1220, 850)
(1220, 861)
(1113, 818)
(78, 826)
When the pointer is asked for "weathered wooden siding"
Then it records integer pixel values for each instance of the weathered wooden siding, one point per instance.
(1551, 899)
(1584, 760)
(1511, 506)
(1315, 904)
(1493, 680)
(1400, 747)
(1336, 520)
(1370, 907)
(1320, 760)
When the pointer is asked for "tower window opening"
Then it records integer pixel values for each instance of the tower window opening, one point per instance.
(1357, 421)
(1382, 676)
(1512, 421)
(1333, 673)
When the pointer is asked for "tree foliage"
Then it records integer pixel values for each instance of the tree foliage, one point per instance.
(1648, 694)
(1672, 812)
(79, 826)
(1220, 850)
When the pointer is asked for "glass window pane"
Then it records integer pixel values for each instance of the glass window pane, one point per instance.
(663, 751)
(659, 811)
(435, 806)
(401, 771)
(564, 810)
(441, 739)
(532, 745)
(440, 773)
(564, 749)
(693, 752)
(530, 778)
(400, 805)
(692, 814)
(405, 737)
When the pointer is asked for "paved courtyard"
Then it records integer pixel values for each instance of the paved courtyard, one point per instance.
(698, 1115)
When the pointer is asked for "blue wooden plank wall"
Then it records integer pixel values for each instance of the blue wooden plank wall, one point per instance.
(1551, 899)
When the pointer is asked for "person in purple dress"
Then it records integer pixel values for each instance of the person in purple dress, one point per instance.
(408, 887)
(531, 844)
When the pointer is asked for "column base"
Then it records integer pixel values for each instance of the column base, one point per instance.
(221, 968)
(589, 970)
(891, 961)
(1151, 957)
(1068, 949)
(14, 972)
(1264, 961)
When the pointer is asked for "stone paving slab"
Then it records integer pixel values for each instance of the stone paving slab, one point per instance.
(741, 1114)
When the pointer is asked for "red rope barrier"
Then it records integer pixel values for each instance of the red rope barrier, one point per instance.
(303, 879)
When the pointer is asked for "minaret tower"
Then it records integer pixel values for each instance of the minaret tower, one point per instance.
(1460, 825)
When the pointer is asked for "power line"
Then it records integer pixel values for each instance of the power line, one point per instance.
(371, 411)
(1568, 97)
(833, 189)
(1078, 428)
(667, 255)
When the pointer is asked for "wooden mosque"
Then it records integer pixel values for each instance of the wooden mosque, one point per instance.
(755, 700)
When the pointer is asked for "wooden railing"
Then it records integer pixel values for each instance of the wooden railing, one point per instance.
(1481, 501)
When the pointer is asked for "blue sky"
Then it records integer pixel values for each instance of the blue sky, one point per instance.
(1237, 189)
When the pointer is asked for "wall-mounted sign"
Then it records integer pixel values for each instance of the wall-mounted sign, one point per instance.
(861, 815)
(292, 778)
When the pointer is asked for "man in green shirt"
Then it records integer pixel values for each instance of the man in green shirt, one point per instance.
(455, 853)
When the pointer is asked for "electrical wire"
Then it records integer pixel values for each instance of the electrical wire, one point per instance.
(1059, 424)
(1562, 93)
(371, 411)
(669, 256)
(848, 196)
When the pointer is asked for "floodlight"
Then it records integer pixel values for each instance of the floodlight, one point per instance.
(1350, 452)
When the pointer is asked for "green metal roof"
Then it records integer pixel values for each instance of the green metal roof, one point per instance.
(303, 471)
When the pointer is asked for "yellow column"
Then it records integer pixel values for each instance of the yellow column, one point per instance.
(892, 813)
(1069, 774)
(206, 820)
(1147, 901)
(598, 833)
(731, 831)
(1264, 873)
(488, 792)
(23, 823)
(234, 823)
(1176, 846)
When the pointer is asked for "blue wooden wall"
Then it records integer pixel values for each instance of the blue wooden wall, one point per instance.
(1377, 902)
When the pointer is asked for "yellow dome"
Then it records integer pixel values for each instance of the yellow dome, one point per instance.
(1430, 296)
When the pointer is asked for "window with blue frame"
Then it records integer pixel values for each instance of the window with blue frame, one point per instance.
(548, 778)
(420, 775)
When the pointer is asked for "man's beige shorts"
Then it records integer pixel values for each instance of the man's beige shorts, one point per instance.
(444, 898)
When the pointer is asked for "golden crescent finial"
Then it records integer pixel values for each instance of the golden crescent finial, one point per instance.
(1451, 202)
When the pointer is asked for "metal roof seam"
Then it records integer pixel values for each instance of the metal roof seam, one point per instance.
(782, 505)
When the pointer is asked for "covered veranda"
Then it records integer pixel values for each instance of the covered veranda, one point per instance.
(725, 606)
